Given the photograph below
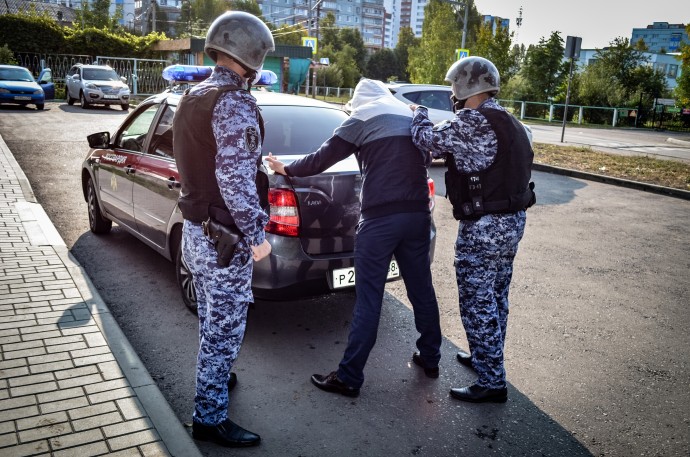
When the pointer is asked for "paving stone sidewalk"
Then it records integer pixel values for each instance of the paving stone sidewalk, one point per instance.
(70, 383)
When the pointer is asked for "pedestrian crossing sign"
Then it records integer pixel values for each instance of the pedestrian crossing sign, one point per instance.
(461, 53)
(311, 42)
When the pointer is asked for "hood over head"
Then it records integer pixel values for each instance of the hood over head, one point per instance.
(370, 92)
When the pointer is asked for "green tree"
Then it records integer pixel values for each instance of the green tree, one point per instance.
(331, 76)
(641, 45)
(7, 56)
(353, 38)
(544, 68)
(343, 60)
(683, 88)
(406, 40)
(328, 32)
(497, 48)
(290, 34)
(429, 62)
(249, 6)
(96, 14)
(383, 65)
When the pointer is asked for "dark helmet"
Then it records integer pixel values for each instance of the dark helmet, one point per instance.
(473, 75)
(242, 36)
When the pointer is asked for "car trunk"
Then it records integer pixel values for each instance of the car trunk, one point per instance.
(329, 211)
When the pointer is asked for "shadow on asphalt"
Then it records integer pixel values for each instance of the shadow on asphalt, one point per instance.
(399, 412)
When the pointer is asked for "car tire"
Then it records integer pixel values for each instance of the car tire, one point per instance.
(125, 106)
(82, 101)
(40, 106)
(183, 275)
(70, 100)
(97, 223)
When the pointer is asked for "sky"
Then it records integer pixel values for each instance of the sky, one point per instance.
(597, 22)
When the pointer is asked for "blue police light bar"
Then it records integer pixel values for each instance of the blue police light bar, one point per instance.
(197, 73)
(266, 78)
(189, 73)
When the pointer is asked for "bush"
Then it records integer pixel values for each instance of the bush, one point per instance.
(7, 56)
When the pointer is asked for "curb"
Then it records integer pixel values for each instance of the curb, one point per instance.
(678, 142)
(176, 439)
(668, 191)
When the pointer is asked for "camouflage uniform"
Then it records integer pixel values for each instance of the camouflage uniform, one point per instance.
(486, 247)
(223, 294)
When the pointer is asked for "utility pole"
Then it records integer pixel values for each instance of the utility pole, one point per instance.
(309, 25)
(572, 52)
(318, 17)
(468, 3)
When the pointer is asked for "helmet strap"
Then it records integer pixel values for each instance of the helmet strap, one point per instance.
(457, 104)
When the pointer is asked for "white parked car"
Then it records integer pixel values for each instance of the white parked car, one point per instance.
(96, 85)
(435, 97)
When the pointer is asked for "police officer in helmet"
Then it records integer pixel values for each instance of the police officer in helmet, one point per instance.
(217, 143)
(489, 158)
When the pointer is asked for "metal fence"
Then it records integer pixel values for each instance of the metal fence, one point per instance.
(660, 117)
(144, 76)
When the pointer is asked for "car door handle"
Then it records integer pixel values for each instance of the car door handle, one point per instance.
(129, 170)
(173, 183)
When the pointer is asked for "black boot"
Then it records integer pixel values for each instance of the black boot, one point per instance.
(227, 434)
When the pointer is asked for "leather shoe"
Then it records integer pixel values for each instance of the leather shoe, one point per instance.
(478, 394)
(430, 372)
(227, 434)
(331, 383)
(232, 382)
(465, 358)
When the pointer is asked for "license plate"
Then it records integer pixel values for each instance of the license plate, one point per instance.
(21, 97)
(345, 277)
(112, 97)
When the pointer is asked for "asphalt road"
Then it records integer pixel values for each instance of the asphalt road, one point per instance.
(597, 339)
(656, 144)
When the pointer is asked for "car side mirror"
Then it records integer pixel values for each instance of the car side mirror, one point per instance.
(100, 140)
(76, 77)
(123, 79)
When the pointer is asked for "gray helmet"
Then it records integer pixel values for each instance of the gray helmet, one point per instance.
(473, 75)
(242, 36)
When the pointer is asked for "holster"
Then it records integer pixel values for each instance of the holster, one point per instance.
(223, 237)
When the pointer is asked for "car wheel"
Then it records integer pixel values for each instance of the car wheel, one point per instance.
(70, 100)
(40, 106)
(82, 101)
(184, 276)
(97, 223)
(125, 106)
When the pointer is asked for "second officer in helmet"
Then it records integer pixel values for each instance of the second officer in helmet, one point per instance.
(217, 142)
(489, 158)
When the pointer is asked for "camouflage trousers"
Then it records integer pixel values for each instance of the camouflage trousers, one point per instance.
(484, 254)
(222, 308)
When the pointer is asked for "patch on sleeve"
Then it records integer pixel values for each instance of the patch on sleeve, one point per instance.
(442, 126)
(251, 138)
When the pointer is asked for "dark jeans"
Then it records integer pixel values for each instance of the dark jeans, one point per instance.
(407, 237)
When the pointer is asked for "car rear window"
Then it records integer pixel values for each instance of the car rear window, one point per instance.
(435, 99)
(298, 129)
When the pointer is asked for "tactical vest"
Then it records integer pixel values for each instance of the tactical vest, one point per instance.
(504, 187)
(195, 154)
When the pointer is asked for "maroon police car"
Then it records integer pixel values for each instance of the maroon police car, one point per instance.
(130, 178)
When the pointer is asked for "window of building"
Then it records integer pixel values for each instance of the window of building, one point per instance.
(672, 71)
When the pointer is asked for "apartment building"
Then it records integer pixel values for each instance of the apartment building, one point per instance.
(368, 16)
(661, 37)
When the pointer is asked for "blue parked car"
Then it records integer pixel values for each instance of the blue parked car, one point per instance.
(18, 86)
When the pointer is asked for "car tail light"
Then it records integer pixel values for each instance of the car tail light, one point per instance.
(284, 213)
(432, 193)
